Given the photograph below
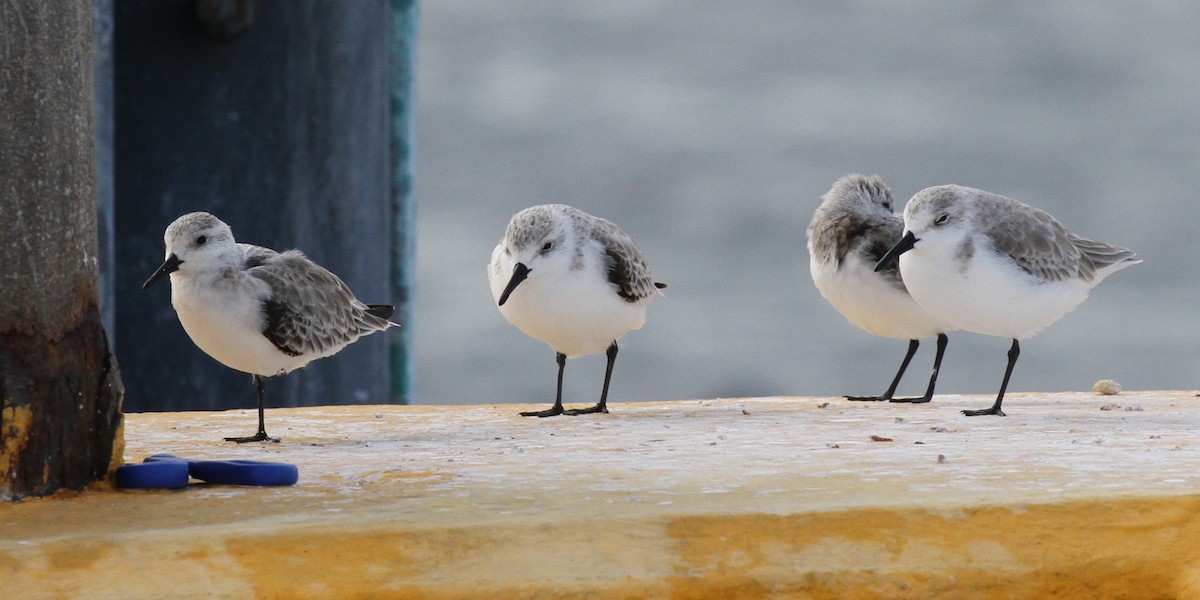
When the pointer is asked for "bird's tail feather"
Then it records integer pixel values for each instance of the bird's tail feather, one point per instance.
(1107, 259)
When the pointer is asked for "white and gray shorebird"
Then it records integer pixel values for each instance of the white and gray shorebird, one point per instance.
(850, 231)
(993, 265)
(257, 310)
(574, 281)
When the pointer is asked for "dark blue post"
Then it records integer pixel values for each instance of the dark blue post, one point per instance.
(280, 117)
(102, 72)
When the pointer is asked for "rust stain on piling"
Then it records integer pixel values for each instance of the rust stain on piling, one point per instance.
(14, 434)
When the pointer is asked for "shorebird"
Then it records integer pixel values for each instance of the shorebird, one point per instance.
(993, 265)
(850, 231)
(574, 281)
(257, 310)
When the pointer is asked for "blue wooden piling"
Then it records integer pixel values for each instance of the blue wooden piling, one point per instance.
(289, 120)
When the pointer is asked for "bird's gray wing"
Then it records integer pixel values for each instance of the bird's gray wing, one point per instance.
(253, 256)
(310, 310)
(872, 240)
(840, 233)
(627, 268)
(1035, 241)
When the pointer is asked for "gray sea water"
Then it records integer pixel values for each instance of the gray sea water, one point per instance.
(708, 130)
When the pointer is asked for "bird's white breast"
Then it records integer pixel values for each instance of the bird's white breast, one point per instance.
(574, 311)
(222, 312)
(870, 302)
(987, 294)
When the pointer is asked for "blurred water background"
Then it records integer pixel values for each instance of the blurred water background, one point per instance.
(708, 130)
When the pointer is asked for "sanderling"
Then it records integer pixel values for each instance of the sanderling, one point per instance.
(256, 310)
(992, 265)
(574, 281)
(851, 230)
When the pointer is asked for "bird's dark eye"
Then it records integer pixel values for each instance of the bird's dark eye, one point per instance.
(547, 246)
(941, 219)
(200, 241)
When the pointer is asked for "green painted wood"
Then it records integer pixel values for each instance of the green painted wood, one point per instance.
(403, 109)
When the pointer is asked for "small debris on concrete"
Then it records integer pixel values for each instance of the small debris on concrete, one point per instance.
(1106, 387)
(1137, 408)
(880, 438)
(823, 405)
(832, 445)
(745, 412)
(941, 459)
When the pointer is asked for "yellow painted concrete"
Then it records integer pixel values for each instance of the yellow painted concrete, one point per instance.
(1073, 495)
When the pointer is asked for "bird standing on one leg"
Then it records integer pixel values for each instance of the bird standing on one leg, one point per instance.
(993, 265)
(257, 310)
(851, 230)
(574, 281)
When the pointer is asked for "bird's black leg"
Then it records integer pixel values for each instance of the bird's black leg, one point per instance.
(557, 409)
(942, 340)
(912, 349)
(602, 405)
(261, 436)
(1013, 353)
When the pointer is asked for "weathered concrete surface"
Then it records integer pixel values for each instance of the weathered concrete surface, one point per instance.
(1072, 495)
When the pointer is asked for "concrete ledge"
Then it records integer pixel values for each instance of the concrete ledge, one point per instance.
(1072, 495)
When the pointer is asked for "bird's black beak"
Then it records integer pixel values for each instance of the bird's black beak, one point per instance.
(904, 245)
(520, 272)
(169, 266)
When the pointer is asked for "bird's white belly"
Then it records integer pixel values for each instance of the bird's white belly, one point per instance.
(579, 314)
(228, 327)
(869, 302)
(992, 296)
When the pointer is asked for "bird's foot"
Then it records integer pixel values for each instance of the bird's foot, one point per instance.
(549, 412)
(587, 411)
(995, 410)
(258, 437)
(867, 398)
(920, 400)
